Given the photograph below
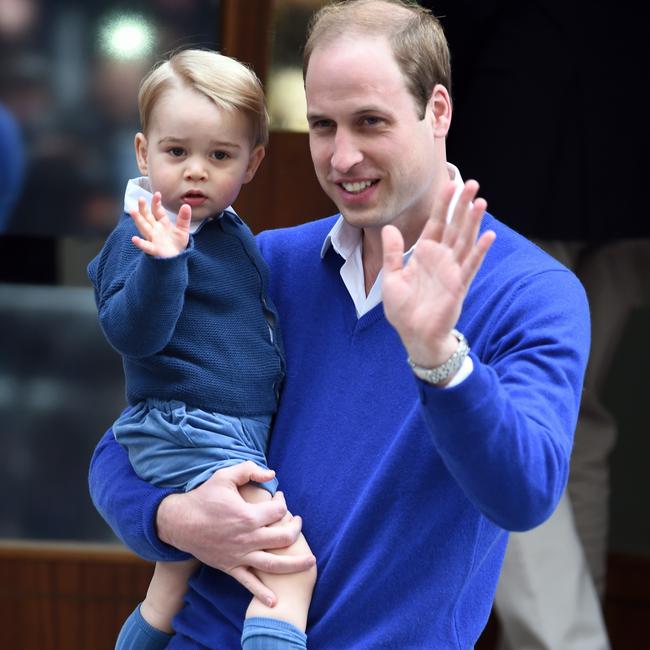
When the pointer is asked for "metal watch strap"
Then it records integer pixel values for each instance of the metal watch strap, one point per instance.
(446, 370)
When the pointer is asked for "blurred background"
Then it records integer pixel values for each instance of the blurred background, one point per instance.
(69, 76)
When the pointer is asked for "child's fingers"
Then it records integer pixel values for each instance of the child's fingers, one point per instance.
(184, 217)
(143, 210)
(157, 207)
(144, 245)
(143, 226)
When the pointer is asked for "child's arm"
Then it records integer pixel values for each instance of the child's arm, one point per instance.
(140, 282)
(160, 237)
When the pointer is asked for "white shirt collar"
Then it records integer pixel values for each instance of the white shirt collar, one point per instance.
(346, 240)
(140, 187)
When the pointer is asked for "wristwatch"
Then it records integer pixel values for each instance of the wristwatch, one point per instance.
(448, 369)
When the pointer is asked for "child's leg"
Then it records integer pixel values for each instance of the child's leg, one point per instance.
(149, 627)
(137, 634)
(164, 597)
(293, 590)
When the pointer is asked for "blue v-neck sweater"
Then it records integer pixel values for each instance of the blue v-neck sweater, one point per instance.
(406, 490)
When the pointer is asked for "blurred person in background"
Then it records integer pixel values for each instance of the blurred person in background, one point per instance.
(12, 164)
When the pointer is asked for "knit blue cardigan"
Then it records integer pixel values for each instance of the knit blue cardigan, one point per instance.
(193, 327)
(406, 490)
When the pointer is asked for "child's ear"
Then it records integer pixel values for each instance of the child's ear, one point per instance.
(141, 153)
(254, 161)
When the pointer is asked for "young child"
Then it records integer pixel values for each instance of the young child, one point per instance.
(181, 290)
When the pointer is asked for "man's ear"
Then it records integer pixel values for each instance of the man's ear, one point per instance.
(256, 157)
(141, 153)
(440, 107)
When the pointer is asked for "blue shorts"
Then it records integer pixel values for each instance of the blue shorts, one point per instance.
(173, 445)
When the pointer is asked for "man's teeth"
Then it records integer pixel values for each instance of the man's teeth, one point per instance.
(356, 187)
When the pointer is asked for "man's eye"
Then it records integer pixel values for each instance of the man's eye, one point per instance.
(321, 124)
(371, 121)
(220, 155)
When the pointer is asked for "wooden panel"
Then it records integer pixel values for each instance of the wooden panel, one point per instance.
(62, 597)
(246, 32)
(285, 191)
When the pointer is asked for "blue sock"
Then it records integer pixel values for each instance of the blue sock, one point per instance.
(137, 634)
(271, 634)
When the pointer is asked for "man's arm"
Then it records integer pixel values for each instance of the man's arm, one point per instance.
(505, 432)
(127, 503)
(212, 523)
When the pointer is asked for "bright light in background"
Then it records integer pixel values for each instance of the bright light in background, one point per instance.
(126, 36)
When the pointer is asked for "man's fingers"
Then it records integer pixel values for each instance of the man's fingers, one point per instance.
(246, 472)
(280, 564)
(249, 580)
(277, 534)
(393, 249)
(468, 233)
(477, 255)
(271, 512)
(461, 212)
(436, 224)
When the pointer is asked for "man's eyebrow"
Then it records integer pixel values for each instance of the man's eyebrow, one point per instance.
(364, 110)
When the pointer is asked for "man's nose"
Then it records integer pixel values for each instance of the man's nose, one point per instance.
(346, 152)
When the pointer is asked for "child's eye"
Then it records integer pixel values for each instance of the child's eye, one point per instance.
(219, 155)
(177, 152)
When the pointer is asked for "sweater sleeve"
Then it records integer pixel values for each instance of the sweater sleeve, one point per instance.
(127, 503)
(505, 433)
(139, 297)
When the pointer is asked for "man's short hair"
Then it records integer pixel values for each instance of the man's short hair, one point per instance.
(230, 84)
(414, 33)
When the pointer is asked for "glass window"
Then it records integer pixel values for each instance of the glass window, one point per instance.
(69, 79)
(70, 75)
(285, 90)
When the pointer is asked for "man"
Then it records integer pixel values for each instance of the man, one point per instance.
(407, 474)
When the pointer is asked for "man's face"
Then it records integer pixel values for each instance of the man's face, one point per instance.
(373, 155)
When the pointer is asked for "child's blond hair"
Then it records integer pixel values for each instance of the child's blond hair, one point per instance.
(230, 84)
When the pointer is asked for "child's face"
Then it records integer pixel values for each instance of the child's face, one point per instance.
(196, 153)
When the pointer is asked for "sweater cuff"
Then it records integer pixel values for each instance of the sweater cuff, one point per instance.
(460, 396)
(157, 550)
